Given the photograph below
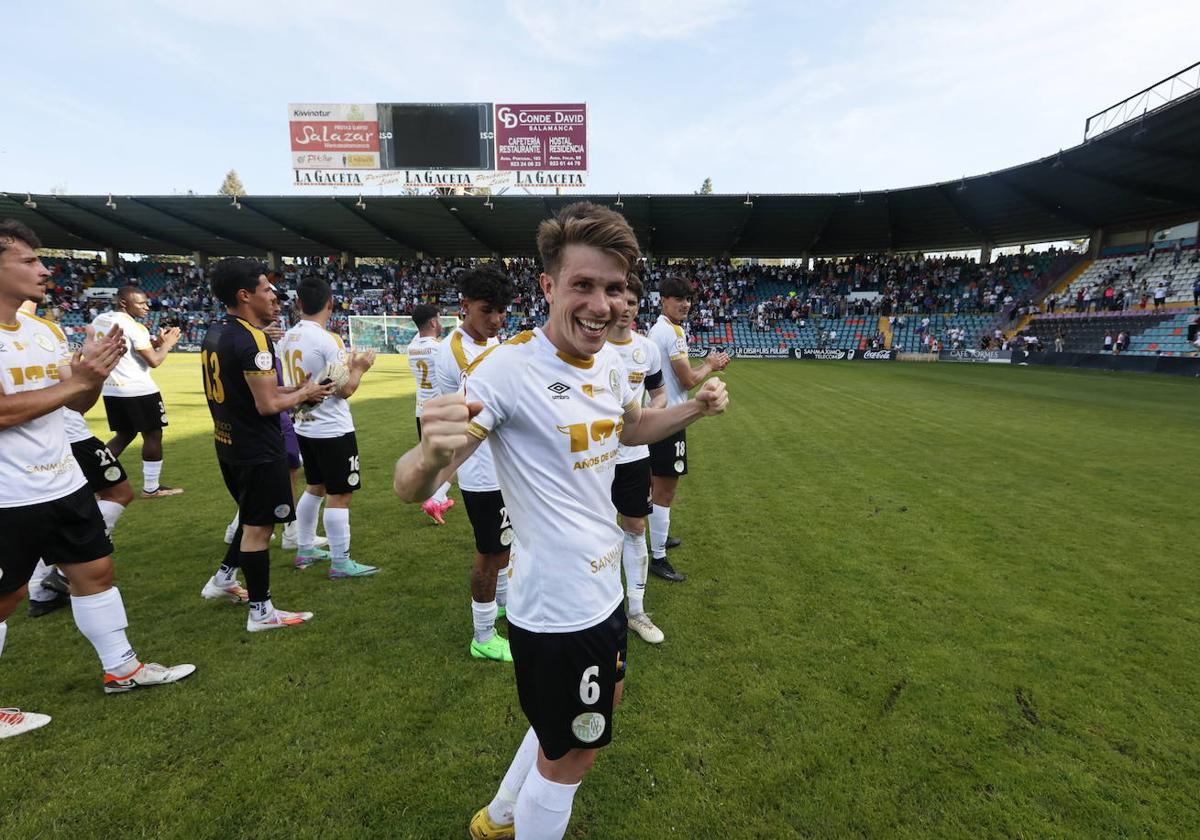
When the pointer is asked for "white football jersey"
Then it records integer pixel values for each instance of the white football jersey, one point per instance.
(454, 356)
(641, 359)
(306, 349)
(131, 377)
(76, 426)
(422, 357)
(671, 342)
(553, 422)
(35, 458)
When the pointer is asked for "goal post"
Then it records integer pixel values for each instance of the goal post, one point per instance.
(388, 333)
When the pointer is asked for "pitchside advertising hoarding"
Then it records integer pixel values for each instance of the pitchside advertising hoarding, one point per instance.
(469, 145)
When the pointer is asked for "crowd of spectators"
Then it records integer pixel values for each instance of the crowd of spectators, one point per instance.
(766, 297)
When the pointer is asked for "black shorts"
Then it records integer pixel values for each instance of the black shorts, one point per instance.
(64, 531)
(263, 492)
(565, 682)
(489, 521)
(332, 462)
(631, 489)
(136, 414)
(668, 457)
(100, 467)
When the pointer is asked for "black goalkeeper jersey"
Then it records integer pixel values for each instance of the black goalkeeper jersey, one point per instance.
(232, 351)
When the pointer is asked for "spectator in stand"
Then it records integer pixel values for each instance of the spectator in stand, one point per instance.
(1059, 342)
(1108, 342)
(1196, 287)
(1160, 295)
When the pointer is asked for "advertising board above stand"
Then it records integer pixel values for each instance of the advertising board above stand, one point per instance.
(470, 146)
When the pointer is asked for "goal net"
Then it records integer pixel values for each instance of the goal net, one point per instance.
(388, 333)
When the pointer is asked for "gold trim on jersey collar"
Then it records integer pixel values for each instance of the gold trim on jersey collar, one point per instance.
(621, 343)
(582, 364)
(11, 327)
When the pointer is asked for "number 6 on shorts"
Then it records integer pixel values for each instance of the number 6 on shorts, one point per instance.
(589, 689)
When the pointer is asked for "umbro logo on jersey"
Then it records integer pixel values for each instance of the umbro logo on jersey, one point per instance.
(558, 388)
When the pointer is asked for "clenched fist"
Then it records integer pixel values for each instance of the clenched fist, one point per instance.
(712, 397)
(444, 422)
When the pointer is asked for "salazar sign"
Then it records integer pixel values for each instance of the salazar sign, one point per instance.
(474, 145)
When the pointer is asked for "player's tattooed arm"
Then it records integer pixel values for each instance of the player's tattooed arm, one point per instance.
(446, 442)
(647, 425)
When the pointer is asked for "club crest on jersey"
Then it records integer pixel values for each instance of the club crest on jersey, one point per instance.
(588, 727)
(614, 381)
(112, 474)
(639, 355)
(43, 342)
(263, 361)
(352, 479)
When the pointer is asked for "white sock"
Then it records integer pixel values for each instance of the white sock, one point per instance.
(660, 524)
(500, 809)
(440, 495)
(484, 616)
(151, 470)
(37, 592)
(235, 522)
(337, 528)
(543, 807)
(502, 587)
(307, 511)
(111, 511)
(101, 619)
(3, 635)
(260, 611)
(636, 563)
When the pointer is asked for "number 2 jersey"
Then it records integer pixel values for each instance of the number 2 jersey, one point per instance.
(233, 349)
(36, 464)
(422, 361)
(552, 422)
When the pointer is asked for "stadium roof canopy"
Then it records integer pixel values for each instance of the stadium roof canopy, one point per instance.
(1148, 168)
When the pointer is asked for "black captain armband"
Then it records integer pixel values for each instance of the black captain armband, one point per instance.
(654, 381)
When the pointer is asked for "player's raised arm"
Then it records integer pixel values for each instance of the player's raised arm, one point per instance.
(647, 425)
(446, 442)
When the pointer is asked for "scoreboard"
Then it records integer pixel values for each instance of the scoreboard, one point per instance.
(466, 144)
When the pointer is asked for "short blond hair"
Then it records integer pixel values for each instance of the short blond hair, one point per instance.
(585, 223)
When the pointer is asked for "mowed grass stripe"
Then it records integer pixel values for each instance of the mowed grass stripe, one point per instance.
(923, 600)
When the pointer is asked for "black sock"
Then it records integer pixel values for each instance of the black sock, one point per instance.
(231, 562)
(256, 566)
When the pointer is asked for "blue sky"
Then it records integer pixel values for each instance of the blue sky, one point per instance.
(162, 97)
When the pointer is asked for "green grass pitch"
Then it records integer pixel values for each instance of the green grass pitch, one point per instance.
(923, 601)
